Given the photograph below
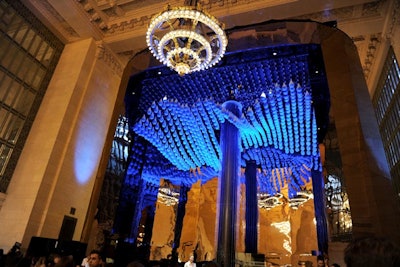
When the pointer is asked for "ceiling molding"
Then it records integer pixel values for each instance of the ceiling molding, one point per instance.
(122, 24)
(52, 19)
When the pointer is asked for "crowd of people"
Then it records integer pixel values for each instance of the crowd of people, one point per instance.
(363, 252)
(367, 252)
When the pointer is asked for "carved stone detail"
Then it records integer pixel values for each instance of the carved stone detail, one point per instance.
(372, 8)
(105, 15)
(395, 19)
(107, 56)
(373, 45)
(334, 14)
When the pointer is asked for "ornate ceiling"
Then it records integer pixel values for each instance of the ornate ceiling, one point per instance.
(121, 24)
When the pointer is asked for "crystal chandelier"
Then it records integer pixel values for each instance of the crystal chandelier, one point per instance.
(186, 39)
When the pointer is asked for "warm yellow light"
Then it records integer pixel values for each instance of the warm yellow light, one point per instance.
(186, 39)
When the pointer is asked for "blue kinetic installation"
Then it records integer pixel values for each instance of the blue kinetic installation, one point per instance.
(279, 131)
(284, 116)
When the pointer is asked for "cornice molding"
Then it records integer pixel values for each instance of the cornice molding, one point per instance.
(395, 19)
(121, 19)
(107, 56)
(373, 9)
(114, 22)
(135, 20)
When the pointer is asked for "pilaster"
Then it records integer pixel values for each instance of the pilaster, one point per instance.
(60, 164)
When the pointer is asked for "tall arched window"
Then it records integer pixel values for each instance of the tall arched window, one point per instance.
(28, 56)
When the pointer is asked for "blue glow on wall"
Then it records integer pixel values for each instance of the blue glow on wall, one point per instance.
(87, 155)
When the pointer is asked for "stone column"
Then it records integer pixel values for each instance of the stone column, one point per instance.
(60, 169)
(373, 203)
(227, 187)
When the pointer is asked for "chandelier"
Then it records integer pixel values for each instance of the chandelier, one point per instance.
(186, 39)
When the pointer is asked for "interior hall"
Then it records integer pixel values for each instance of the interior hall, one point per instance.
(245, 133)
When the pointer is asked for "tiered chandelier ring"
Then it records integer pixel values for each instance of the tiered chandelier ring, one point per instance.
(186, 39)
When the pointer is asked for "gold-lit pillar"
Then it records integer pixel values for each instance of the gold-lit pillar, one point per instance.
(164, 222)
(190, 230)
(303, 231)
(274, 232)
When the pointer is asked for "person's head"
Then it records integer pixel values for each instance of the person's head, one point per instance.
(57, 258)
(65, 261)
(191, 258)
(95, 259)
(135, 264)
(320, 261)
(372, 252)
(326, 259)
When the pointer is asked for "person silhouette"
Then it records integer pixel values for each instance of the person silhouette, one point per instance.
(191, 262)
(372, 252)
